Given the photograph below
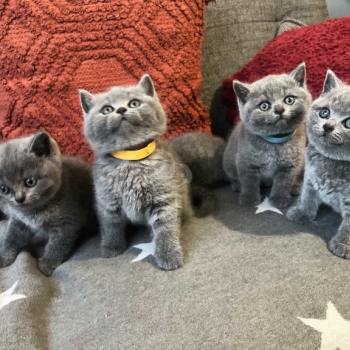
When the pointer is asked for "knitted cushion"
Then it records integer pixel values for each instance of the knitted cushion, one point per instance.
(321, 46)
(51, 48)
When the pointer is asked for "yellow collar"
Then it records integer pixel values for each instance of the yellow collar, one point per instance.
(137, 154)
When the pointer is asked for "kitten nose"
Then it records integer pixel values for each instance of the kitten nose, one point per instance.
(121, 110)
(328, 128)
(279, 110)
(19, 198)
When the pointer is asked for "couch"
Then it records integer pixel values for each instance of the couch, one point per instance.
(250, 280)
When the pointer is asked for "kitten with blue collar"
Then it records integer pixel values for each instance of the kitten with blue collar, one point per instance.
(267, 146)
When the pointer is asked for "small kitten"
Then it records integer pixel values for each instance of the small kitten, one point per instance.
(203, 154)
(327, 156)
(152, 190)
(45, 196)
(267, 146)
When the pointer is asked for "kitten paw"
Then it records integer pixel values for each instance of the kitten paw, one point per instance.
(339, 248)
(7, 258)
(298, 215)
(236, 186)
(280, 202)
(46, 267)
(169, 260)
(108, 253)
(249, 201)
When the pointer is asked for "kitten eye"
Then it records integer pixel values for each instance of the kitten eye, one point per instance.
(134, 103)
(30, 182)
(264, 106)
(324, 113)
(106, 110)
(346, 123)
(289, 100)
(4, 189)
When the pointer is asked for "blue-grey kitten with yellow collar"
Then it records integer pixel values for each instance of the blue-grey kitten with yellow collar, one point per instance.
(45, 196)
(138, 177)
(267, 146)
(327, 162)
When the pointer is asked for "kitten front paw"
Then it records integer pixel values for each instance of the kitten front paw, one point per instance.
(169, 260)
(298, 215)
(111, 253)
(280, 202)
(249, 201)
(46, 267)
(7, 258)
(339, 248)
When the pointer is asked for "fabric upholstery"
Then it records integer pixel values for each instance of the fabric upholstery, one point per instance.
(246, 280)
(235, 30)
(288, 24)
(51, 48)
(321, 46)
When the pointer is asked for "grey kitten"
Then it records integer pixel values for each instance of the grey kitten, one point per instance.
(151, 191)
(267, 146)
(45, 196)
(203, 154)
(327, 168)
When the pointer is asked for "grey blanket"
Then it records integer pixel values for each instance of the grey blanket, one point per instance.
(246, 281)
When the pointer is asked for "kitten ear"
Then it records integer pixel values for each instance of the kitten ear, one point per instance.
(331, 82)
(147, 84)
(41, 144)
(86, 100)
(299, 74)
(241, 91)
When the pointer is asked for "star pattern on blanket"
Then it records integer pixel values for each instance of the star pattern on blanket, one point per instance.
(335, 330)
(7, 297)
(146, 250)
(265, 206)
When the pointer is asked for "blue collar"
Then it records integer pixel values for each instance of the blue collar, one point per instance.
(281, 138)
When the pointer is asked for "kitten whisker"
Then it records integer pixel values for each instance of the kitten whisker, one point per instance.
(336, 138)
(318, 129)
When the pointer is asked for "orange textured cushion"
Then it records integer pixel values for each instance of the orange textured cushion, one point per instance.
(51, 48)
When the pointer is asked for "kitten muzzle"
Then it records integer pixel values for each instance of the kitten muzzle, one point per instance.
(279, 110)
(327, 128)
(121, 110)
(20, 198)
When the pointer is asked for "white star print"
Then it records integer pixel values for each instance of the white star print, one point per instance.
(7, 297)
(265, 205)
(147, 249)
(335, 329)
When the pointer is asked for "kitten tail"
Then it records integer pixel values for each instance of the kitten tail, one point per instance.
(204, 201)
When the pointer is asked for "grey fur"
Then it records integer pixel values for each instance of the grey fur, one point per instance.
(203, 154)
(249, 160)
(327, 168)
(56, 208)
(151, 191)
